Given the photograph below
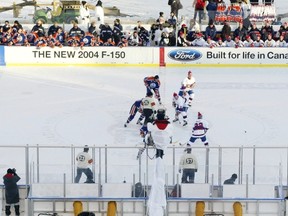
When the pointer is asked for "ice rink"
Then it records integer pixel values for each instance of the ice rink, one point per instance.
(66, 106)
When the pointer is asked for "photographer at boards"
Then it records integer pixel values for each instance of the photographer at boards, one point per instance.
(10, 180)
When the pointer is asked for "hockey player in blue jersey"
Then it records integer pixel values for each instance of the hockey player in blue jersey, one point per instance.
(136, 107)
(152, 84)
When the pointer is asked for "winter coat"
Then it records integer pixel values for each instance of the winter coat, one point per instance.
(11, 189)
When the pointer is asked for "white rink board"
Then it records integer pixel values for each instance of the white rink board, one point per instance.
(146, 56)
(225, 56)
(77, 56)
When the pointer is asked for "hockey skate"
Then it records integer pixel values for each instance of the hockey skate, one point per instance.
(185, 123)
(139, 122)
(175, 120)
(125, 125)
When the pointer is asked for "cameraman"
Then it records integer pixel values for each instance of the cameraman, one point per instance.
(10, 180)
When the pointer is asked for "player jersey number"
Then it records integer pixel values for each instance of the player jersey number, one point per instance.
(198, 126)
(189, 160)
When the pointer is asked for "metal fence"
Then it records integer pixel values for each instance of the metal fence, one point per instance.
(114, 164)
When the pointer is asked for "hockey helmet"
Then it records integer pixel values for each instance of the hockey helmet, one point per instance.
(86, 148)
(156, 77)
(175, 94)
(199, 115)
(149, 94)
(161, 114)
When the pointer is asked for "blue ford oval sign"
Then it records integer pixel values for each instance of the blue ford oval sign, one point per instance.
(184, 55)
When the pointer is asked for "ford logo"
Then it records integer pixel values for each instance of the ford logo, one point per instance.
(184, 55)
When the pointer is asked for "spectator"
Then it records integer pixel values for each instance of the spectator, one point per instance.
(93, 29)
(181, 41)
(210, 43)
(158, 34)
(226, 31)
(277, 21)
(161, 19)
(176, 192)
(210, 30)
(138, 190)
(199, 41)
(83, 162)
(254, 31)
(99, 12)
(283, 30)
(270, 42)
(172, 39)
(144, 36)
(211, 9)
(240, 32)
(183, 30)
(238, 42)
(117, 31)
(84, 14)
(266, 30)
(6, 26)
(105, 32)
(281, 42)
(198, 6)
(258, 42)
(16, 26)
(194, 26)
(11, 191)
(231, 180)
(20, 38)
(248, 42)
(189, 165)
(76, 31)
(53, 28)
(153, 29)
(172, 20)
(38, 29)
(220, 43)
(175, 6)
(164, 41)
(134, 39)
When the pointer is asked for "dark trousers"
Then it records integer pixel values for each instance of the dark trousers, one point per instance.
(188, 176)
(87, 172)
(148, 113)
(8, 211)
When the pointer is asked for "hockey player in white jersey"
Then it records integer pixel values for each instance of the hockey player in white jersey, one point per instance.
(181, 107)
(148, 105)
(199, 130)
(187, 85)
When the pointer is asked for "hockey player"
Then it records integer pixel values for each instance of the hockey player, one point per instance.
(199, 130)
(148, 106)
(160, 134)
(136, 107)
(152, 83)
(181, 106)
(187, 85)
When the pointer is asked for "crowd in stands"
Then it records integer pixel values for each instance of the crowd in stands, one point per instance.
(164, 32)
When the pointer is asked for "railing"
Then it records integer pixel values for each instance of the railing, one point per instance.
(40, 163)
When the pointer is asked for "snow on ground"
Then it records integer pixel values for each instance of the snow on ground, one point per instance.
(73, 105)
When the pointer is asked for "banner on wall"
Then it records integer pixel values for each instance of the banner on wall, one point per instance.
(144, 56)
(2, 56)
(226, 56)
(77, 56)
